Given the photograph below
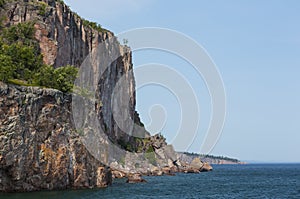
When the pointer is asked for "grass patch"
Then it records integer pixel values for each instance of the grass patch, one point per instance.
(20, 82)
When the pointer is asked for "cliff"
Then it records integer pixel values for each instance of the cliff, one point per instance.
(67, 39)
(40, 147)
(43, 144)
(64, 37)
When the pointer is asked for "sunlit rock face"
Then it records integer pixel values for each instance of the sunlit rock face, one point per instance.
(40, 148)
(40, 144)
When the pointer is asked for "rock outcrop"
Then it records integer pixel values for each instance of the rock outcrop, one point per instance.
(40, 148)
(135, 178)
(67, 39)
(40, 144)
(192, 164)
(64, 37)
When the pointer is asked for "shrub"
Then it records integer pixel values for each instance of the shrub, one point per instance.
(61, 78)
(21, 61)
(22, 32)
(25, 60)
(151, 158)
(42, 8)
(44, 77)
(93, 25)
(6, 68)
(18, 43)
(65, 77)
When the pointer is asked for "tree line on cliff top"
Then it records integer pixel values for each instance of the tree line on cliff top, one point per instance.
(21, 61)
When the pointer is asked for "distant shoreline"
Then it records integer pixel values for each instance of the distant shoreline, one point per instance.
(213, 160)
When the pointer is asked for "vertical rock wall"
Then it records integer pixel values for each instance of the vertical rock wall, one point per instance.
(39, 145)
(67, 39)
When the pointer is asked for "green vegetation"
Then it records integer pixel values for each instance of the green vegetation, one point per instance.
(80, 132)
(122, 161)
(6, 71)
(2, 2)
(20, 82)
(139, 142)
(20, 56)
(212, 157)
(150, 155)
(61, 78)
(93, 25)
(219, 157)
(125, 42)
(21, 61)
(42, 8)
(124, 144)
(132, 145)
(61, 1)
(85, 92)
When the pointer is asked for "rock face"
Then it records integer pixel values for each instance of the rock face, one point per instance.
(40, 148)
(64, 37)
(67, 39)
(156, 162)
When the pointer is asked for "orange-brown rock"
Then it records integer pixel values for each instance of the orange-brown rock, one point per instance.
(206, 167)
(40, 148)
(135, 178)
(155, 171)
(196, 164)
(118, 174)
(168, 171)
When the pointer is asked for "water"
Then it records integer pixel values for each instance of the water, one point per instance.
(226, 181)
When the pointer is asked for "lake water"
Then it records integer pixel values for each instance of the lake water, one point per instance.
(226, 181)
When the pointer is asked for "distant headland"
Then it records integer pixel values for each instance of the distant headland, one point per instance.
(211, 159)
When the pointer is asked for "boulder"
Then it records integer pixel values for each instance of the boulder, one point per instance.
(118, 174)
(155, 171)
(206, 167)
(167, 171)
(135, 178)
(192, 170)
(196, 163)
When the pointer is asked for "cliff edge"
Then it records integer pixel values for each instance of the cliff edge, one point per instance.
(41, 148)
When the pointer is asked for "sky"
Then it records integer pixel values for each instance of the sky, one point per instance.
(256, 48)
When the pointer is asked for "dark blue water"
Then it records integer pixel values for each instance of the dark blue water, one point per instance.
(226, 181)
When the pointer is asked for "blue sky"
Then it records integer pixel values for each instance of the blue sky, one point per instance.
(256, 46)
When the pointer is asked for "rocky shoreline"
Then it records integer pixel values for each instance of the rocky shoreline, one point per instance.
(42, 145)
(178, 166)
(42, 150)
